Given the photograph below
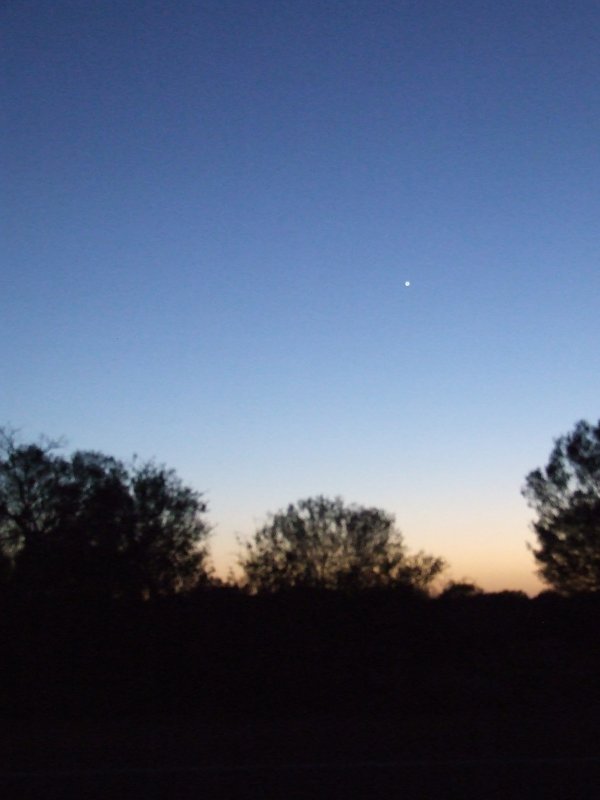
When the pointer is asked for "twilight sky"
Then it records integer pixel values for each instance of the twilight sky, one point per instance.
(209, 212)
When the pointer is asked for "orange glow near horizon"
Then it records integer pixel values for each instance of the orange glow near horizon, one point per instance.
(493, 563)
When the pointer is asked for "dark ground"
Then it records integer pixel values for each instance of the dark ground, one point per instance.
(476, 755)
(494, 697)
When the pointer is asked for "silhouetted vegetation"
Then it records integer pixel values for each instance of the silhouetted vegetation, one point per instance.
(222, 654)
(320, 543)
(566, 496)
(89, 527)
(457, 590)
(108, 612)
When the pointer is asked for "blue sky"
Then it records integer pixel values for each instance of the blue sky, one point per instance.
(210, 210)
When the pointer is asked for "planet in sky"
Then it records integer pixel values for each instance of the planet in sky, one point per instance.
(407, 283)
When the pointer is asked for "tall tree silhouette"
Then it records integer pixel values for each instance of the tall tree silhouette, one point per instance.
(89, 526)
(169, 537)
(323, 543)
(566, 496)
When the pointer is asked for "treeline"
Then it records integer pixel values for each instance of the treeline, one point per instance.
(224, 655)
(109, 606)
(90, 526)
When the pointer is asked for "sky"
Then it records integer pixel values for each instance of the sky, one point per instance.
(209, 214)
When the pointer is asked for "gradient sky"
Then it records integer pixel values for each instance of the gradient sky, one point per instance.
(210, 210)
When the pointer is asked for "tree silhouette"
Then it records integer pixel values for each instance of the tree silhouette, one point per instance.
(88, 526)
(29, 500)
(458, 590)
(169, 536)
(566, 496)
(322, 543)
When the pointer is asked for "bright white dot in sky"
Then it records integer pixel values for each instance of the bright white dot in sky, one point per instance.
(407, 283)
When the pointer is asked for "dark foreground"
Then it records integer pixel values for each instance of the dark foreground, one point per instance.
(304, 696)
(474, 756)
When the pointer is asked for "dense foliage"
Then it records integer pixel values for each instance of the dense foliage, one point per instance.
(88, 526)
(566, 496)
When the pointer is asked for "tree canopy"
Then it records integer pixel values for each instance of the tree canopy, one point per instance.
(459, 590)
(566, 497)
(322, 543)
(88, 525)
